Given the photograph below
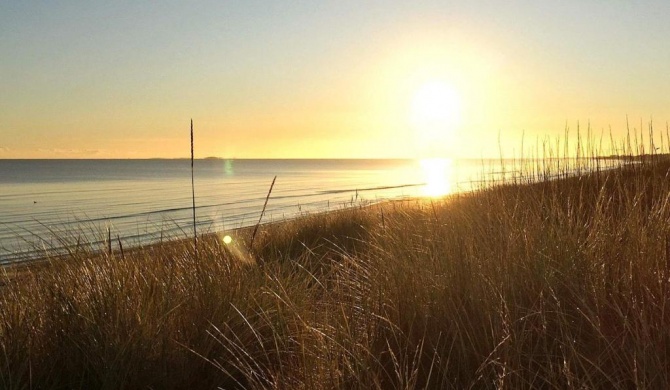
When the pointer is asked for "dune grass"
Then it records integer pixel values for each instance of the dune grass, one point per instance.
(561, 283)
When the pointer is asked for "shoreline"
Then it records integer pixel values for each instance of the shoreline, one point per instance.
(487, 182)
(21, 266)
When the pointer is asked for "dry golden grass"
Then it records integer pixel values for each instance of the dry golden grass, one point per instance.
(555, 284)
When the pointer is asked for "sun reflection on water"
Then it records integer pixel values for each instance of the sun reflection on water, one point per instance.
(437, 174)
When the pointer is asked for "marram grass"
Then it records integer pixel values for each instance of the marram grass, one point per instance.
(560, 283)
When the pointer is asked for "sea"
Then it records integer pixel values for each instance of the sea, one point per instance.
(47, 206)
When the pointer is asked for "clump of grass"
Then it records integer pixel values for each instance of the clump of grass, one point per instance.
(549, 280)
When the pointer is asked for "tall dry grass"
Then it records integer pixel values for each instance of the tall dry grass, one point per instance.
(560, 283)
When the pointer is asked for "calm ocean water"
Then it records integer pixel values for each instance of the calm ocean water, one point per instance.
(43, 202)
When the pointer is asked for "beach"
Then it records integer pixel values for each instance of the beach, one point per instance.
(558, 283)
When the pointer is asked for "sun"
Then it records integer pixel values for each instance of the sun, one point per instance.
(435, 111)
(436, 103)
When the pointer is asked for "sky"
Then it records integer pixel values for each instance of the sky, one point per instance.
(326, 79)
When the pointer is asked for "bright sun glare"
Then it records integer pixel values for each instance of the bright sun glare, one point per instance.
(437, 176)
(436, 106)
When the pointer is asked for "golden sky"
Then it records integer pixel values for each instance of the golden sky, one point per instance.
(327, 79)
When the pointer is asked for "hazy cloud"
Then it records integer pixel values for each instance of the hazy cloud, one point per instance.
(4, 149)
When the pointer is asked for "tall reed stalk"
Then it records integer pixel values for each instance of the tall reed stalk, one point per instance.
(195, 232)
(260, 218)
